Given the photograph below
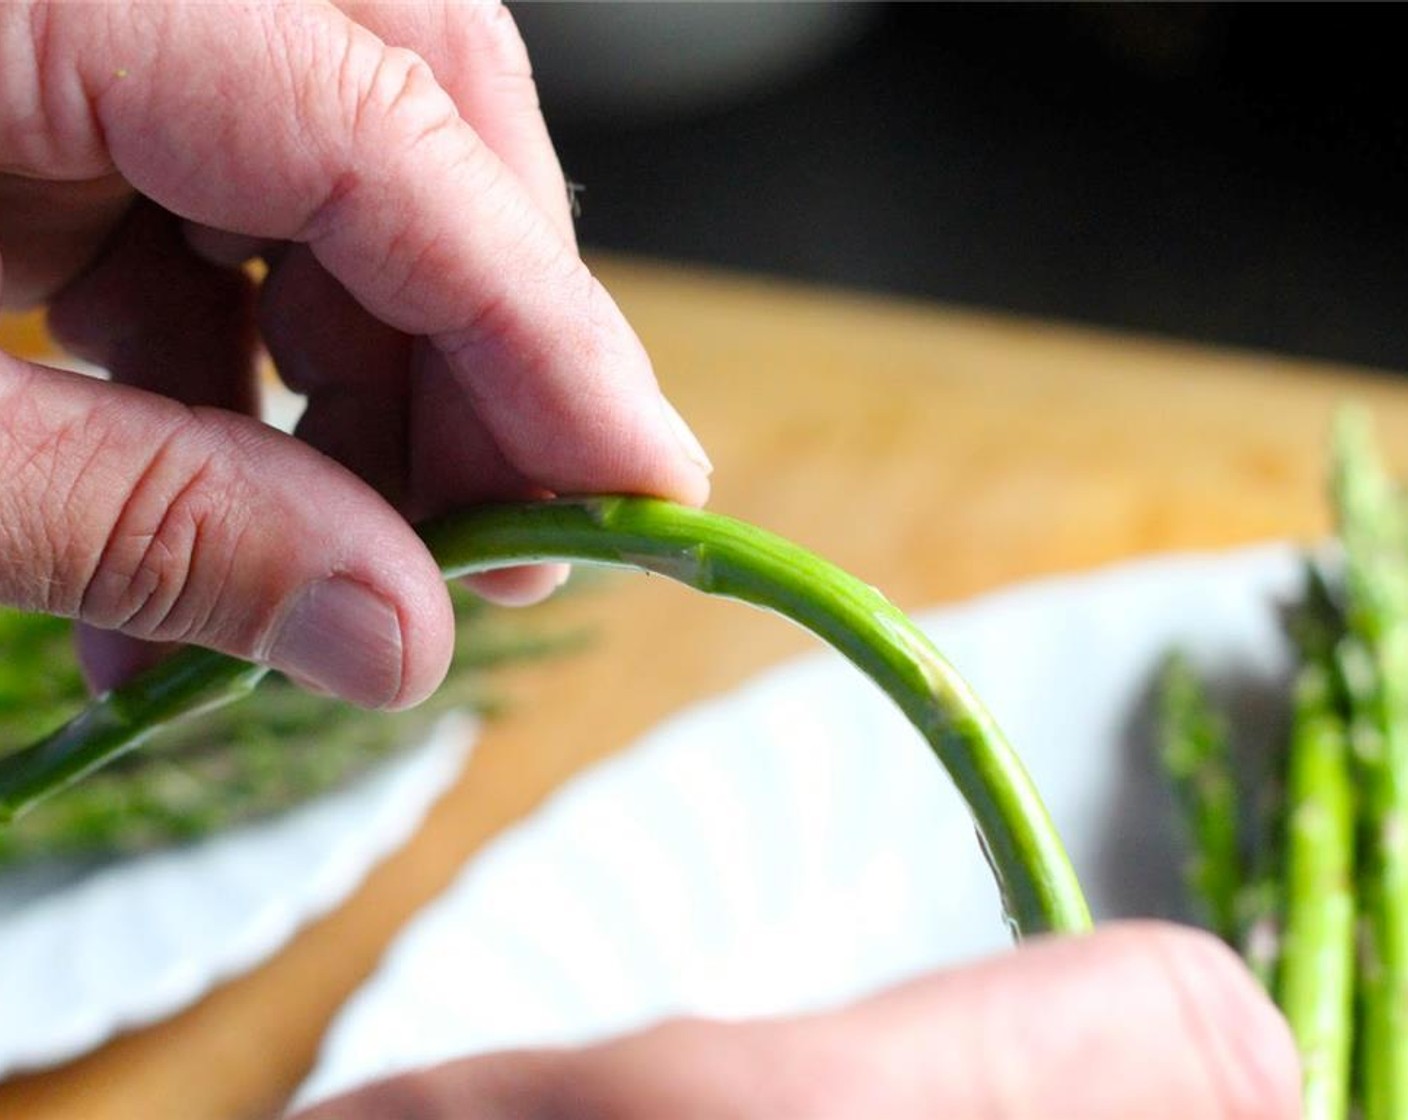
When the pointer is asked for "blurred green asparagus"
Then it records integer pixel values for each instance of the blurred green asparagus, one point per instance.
(1337, 881)
(1315, 982)
(238, 763)
(1374, 534)
(1196, 757)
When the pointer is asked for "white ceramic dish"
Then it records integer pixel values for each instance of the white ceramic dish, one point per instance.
(794, 844)
(86, 952)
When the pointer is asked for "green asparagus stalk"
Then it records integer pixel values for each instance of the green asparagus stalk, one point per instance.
(1261, 900)
(714, 554)
(1196, 757)
(239, 763)
(1374, 664)
(1315, 626)
(1315, 986)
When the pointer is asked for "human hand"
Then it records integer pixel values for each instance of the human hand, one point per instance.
(424, 291)
(1139, 1020)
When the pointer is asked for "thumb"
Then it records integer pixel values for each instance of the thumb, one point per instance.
(132, 512)
(1143, 1020)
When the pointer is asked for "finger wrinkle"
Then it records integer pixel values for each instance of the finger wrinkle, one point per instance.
(229, 557)
(236, 72)
(492, 322)
(111, 562)
(415, 94)
(409, 155)
(326, 216)
(422, 279)
(390, 108)
(477, 54)
(399, 156)
(49, 458)
(413, 256)
(498, 323)
(156, 578)
(169, 557)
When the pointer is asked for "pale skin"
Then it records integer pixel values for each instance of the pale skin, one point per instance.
(1144, 1021)
(389, 164)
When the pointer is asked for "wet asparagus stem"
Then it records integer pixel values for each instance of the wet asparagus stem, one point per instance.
(714, 554)
(1196, 757)
(1374, 663)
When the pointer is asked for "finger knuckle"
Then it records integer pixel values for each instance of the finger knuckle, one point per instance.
(164, 564)
(396, 97)
(41, 459)
(588, 328)
(398, 124)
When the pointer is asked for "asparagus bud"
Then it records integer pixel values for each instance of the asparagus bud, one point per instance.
(1197, 759)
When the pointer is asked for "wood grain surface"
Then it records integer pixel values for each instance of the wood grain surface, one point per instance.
(936, 452)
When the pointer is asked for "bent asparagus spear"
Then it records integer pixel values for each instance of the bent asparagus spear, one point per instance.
(716, 555)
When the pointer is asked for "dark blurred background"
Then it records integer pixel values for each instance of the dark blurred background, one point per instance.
(1231, 174)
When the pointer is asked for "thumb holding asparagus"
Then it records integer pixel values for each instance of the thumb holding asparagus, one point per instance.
(425, 293)
(134, 513)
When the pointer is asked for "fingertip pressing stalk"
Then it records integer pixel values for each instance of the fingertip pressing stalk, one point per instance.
(714, 554)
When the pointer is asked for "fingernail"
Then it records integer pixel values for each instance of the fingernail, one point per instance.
(341, 636)
(687, 440)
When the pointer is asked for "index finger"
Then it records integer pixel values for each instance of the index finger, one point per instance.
(305, 126)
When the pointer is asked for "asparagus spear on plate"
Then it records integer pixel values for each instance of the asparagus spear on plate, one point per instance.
(1315, 979)
(240, 762)
(1341, 873)
(1374, 534)
(1196, 756)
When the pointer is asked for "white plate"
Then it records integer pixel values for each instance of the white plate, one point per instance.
(794, 844)
(85, 953)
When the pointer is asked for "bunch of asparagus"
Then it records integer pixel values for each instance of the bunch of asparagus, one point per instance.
(240, 762)
(1311, 884)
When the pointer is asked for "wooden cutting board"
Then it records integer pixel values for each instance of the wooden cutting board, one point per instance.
(936, 452)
